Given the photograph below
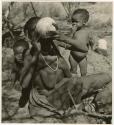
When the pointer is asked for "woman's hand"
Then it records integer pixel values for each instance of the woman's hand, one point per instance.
(37, 46)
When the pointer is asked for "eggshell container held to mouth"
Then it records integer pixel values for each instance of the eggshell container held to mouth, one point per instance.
(46, 27)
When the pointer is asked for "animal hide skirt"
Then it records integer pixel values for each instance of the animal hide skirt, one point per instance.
(59, 99)
(67, 93)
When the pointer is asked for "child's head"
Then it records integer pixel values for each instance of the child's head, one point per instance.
(80, 17)
(19, 48)
(30, 26)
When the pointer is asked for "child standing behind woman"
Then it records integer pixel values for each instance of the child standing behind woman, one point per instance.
(81, 36)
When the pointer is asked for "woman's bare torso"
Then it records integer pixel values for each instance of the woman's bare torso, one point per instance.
(48, 72)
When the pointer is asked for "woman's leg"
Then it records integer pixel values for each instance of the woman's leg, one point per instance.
(92, 83)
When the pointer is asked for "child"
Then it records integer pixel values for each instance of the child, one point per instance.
(21, 50)
(81, 37)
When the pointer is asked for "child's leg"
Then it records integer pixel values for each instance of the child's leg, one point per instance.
(24, 96)
(83, 66)
(26, 87)
(73, 64)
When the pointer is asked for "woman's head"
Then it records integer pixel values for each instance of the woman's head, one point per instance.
(29, 28)
(46, 27)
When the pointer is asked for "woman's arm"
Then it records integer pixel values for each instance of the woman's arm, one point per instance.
(27, 78)
(64, 66)
(29, 62)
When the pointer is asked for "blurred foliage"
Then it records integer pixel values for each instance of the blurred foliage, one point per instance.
(70, 7)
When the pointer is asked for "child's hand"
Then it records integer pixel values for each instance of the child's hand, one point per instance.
(62, 38)
(74, 29)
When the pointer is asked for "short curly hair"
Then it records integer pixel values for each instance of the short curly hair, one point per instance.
(21, 42)
(83, 12)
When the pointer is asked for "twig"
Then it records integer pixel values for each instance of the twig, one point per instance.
(66, 10)
(7, 21)
(72, 98)
(78, 112)
(33, 9)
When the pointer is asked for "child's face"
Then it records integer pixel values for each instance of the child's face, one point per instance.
(18, 53)
(77, 21)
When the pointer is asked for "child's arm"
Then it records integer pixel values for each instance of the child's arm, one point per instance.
(75, 43)
(14, 76)
(62, 44)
